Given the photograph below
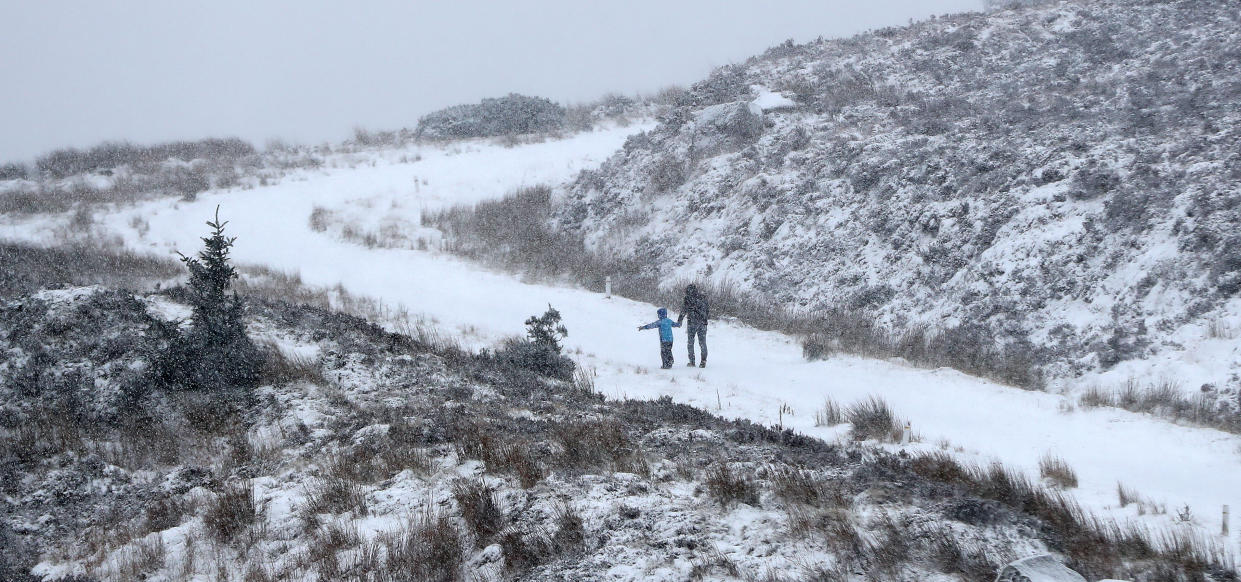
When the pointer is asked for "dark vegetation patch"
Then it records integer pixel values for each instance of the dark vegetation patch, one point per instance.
(29, 268)
(1209, 407)
(1096, 548)
(505, 116)
(132, 172)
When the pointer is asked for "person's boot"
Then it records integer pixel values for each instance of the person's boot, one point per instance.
(689, 364)
(703, 364)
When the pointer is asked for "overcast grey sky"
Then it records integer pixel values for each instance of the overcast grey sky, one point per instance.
(77, 73)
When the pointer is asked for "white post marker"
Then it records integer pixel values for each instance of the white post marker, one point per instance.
(907, 433)
(607, 287)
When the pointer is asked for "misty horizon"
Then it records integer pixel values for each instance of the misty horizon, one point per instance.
(145, 72)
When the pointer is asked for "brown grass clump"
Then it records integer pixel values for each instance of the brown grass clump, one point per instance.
(280, 368)
(873, 419)
(1057, 471)
(592, 444)
(429, 550)
(570, 534)
(479, 508)
(231, 511)
(475, 441)
(726, 488)
(1094, 547)
(334, 494)
(829, 415)
(525, 551)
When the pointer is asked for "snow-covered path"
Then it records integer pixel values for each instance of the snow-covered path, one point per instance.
(751, 373)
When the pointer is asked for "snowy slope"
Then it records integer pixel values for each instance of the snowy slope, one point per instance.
(751, 374)
(1064, 177)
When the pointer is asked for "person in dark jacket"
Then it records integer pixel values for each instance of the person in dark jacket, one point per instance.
(695, 309)
(665, 326)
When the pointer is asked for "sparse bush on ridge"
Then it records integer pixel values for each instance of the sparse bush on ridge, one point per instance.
(510, 115)
(67, 162)
(12, 171)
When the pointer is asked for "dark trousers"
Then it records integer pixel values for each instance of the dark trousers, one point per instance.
(699, 330)
(665, 353)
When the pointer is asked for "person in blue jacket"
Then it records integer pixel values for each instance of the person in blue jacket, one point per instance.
(665, 326)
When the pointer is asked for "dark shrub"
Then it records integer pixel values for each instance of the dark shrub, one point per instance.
(1092, 182)
(510, 115)
(13, 172)
(531, 356)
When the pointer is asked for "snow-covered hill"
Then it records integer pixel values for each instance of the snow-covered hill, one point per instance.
(1063, 178)
(754, 375)
(846, 187)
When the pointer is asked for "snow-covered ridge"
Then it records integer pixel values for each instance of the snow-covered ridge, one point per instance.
(1064, 175)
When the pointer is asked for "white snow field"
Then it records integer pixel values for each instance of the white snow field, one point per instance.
(752, 374)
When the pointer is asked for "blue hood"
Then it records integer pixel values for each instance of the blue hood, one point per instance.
(662, 312)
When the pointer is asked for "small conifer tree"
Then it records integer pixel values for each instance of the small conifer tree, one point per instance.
(546, 330)
(540, 351)
(216, 354)
(211, 275)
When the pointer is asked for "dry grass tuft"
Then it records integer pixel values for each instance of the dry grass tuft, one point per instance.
(1056, 470)
(429, 549)
(231, 511)
(726, 488)
(334, 494)
(479, 508)
(873, 419)
(280, 368)
(525, 551)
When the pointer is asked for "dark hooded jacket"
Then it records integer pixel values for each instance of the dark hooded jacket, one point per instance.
(694, 308)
